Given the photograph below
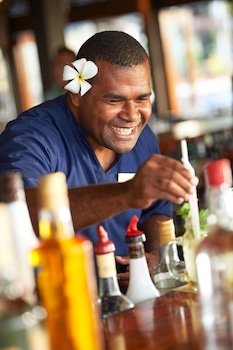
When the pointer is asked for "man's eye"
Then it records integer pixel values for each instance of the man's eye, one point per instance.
(142, 99)
(114, 101)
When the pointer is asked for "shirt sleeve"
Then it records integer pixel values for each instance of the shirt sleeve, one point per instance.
(26, 147)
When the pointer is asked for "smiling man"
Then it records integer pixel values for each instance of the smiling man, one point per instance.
(97, 134)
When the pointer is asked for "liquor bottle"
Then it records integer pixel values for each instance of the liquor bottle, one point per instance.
(140, 286)
(111, 300)
(21, 317)
(160, 275)
(23, 236)
(214, 259)
(66, 277)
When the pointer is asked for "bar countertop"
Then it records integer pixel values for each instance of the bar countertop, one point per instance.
(170, 321)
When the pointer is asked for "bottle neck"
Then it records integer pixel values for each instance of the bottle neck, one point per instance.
(162, 253)
(108, 286)
(11, 188)
(55, 224)
(54, 212)
(108, 283)
(136, 250)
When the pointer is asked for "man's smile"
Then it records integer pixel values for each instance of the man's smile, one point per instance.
(122, 131)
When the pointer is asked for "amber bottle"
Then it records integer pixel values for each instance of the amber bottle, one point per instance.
(66, 278)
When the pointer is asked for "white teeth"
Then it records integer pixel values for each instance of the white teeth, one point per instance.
(122, 131)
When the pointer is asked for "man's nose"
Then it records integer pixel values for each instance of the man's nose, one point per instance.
(130, 111)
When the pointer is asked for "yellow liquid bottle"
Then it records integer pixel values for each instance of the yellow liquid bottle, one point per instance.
(65, 272)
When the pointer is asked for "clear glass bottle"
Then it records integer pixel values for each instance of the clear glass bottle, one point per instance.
(214, 260)
(140, 286)
(23, 236)
(66, 278)
(111, 299)
(21, 317)
(160, 275)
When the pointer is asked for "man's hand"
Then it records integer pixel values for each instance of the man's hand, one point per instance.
(160, 177)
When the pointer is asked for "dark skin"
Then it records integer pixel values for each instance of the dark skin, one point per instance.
(114, 112)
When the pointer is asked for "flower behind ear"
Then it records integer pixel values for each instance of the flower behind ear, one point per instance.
(78, 75)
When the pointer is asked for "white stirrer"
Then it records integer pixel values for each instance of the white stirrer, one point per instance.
(193, 198)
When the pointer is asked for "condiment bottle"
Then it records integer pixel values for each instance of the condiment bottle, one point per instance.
(111, 299)
(140, 286)
(66, 278)
(160, 275)
(214, 259)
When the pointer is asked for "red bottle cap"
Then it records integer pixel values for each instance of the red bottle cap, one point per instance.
(104, 245)
(134, 235)
(218, 172)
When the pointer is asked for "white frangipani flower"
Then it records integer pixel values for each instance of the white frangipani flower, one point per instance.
(82, 70)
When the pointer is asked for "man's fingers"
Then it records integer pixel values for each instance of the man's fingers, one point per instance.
(123, 260)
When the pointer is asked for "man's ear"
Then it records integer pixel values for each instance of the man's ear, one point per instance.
(74, 99)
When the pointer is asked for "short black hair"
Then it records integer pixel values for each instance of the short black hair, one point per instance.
(116, 47)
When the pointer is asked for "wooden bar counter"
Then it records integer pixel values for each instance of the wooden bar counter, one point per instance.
(170, 321)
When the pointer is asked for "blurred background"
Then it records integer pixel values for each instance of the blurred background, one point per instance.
(190, 44)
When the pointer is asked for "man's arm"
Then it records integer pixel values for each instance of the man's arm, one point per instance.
(158, 178)
(89, 204)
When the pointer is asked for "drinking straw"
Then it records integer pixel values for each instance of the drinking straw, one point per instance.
(193, 203)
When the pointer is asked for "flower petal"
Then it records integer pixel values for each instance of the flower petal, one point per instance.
(85, 86)
(69, 73)
(73, 86)
(79, 64)
(90, 70)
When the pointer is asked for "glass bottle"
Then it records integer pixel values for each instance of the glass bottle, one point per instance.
(140, 286)
(160, 275)
(21, 317)
(111, 299)
(23, 236)
(214, 259)
(66, 277)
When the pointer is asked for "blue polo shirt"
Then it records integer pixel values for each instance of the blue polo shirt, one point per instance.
(47, 138)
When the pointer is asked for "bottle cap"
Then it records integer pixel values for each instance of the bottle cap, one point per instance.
(53, 191)
(166, 229)
(11, 187)
(132, 232)
(218, 172)
(104, 245)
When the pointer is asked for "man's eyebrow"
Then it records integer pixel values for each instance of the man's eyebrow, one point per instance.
(115, 96)
(123, 98)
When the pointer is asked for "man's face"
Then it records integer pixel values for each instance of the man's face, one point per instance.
(117, 107)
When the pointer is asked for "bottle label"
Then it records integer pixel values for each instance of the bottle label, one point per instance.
(106, 265)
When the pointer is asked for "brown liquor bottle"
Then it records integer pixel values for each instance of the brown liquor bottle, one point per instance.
(66, 278)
